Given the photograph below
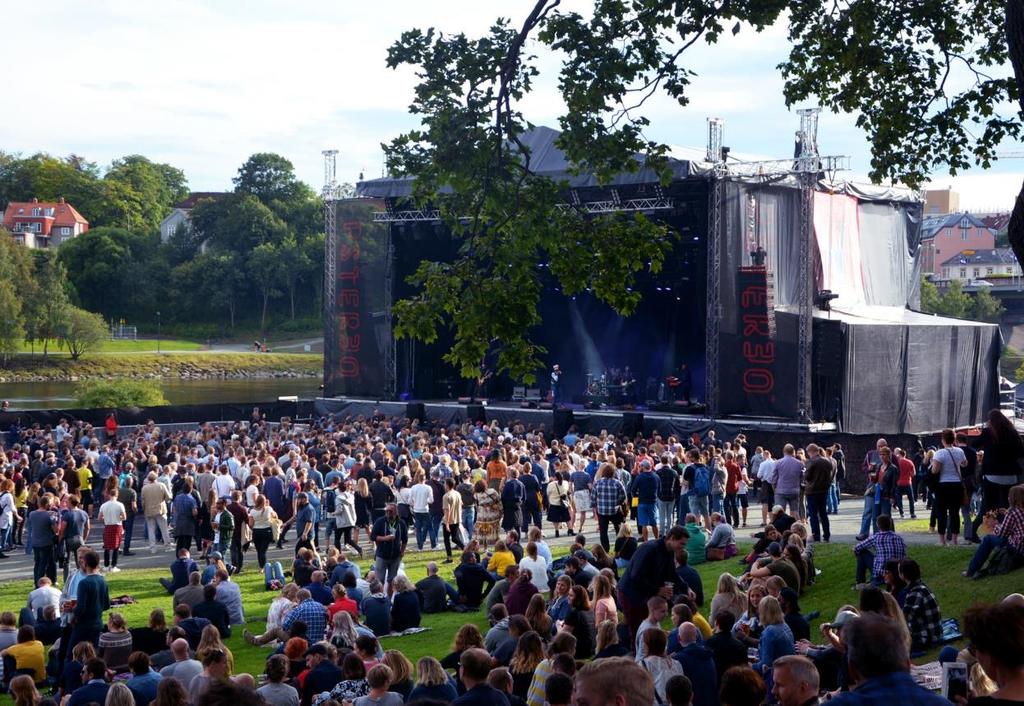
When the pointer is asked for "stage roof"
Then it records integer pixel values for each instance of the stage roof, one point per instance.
(684, 162)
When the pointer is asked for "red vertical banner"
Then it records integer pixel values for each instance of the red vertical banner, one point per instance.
(356, 328)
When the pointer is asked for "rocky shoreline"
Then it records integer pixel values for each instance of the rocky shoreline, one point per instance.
(156, 367)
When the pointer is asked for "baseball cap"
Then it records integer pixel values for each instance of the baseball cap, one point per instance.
(216, 555)
(775, 549)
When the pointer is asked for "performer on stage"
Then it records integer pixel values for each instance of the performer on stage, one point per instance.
(685, 382)
(556, 374)
(482, 380)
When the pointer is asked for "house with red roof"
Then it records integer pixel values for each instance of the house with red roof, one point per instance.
(180, 215)
(43, 224)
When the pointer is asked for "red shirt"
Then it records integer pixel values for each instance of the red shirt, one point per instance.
(906, 477)
(732, 483)
(346, 604)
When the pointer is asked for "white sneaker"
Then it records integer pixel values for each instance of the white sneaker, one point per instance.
(115, 569)
(105, 570)
(152, 549)
(168, 548)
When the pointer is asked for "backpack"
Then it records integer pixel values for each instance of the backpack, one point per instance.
(702, 480)
(329, 503)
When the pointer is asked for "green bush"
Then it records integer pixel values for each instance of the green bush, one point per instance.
(119, 393)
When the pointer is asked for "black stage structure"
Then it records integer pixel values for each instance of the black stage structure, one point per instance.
(791, 300)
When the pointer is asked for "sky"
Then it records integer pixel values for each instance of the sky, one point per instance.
(202, 85)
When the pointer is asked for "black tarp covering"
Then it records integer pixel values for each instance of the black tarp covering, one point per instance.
(917, 376)
(168, 414)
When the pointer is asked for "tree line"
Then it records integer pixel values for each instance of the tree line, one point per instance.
(253, 257)
(953, 301)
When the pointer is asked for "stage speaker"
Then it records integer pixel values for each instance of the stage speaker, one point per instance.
(475, 413)
(563, 420)
(632, 423)
(416, 410)
(827, 351)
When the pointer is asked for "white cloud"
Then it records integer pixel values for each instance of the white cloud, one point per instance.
(205, 84)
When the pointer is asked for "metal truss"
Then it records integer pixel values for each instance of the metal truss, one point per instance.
(782, 167)
(657, 203)
(807, 159)
(330, 197)
(713, 316)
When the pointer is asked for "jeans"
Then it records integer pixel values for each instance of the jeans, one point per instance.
(732, 509)
(818, 515)
(965, 513)
(44, 564)
(469, 520)
(387, 569)
(949, 497)
(602, 526)
(435, 528)
(421, 521)
(237, 556)
(866, 567)
(988, 544)
(152, 523)
(272, 572)
(907, 490)
(882, 507)
(832, 499)
(716, 502)
(867, 515)
(666, 510)
(790, 500)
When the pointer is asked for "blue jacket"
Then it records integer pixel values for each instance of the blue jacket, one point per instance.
(645, 487)
(95, 690)
(699, 665)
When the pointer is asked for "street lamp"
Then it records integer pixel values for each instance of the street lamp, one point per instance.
(158, 332)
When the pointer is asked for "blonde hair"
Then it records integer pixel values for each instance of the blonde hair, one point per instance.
(769, 612)
(601, 586)
(401, 667)
(402, 584)
(429, 672)
(606, 635)
(728, 585)
(119, 695)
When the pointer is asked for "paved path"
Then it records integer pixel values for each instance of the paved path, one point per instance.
(845, 526)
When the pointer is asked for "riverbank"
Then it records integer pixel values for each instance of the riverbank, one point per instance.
(182, 366)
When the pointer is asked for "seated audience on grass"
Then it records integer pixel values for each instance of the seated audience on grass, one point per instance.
(341, 602)
(498, 633)
(873, 553)
(520, 593)
(776, 637)
(892, 581)
(657, 608)
(722, 542)
(323, 673)
(165, 657)
(558, 606)
(405, 605)
(742, 686)
(401, 672)
(94, 686)
(436, 594)
(920, 608)
(368, 650)
(70, 677)
(474, 666)
(537, 615)
(880, 667)
(473, 580)
(748, 627)
(617, 680)
(192, 626)
(1006, 533)
(318, 588)
(214, 563)
(580, 622)
(517, 627)
(282, 604)
(501, 558)
(499, 590)
(558, 689)
(376, 607)
(725, 648)
(728, 597)
(562, 645)
(181, 569)
(657, 663)
(528, 654)
(795, 681)
(275, 692)
(995, 636)
(48, 628)
(343, 632)
(777, 565)
(607, 641)
(28, 653)
(191, 593)
(212, 642)
(153, 637)
(798, 625)
(213, 610)
(379, 681)
(23, 691)
(352, 684)
(144, 681)
(184, 667)
(230, 595)
(689, 576)
(466, 637)
(116, 644)
(501, 679)
(698, 664)
(309, 612)
(170, 692)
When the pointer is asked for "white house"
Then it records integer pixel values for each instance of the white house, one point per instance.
(179, 215)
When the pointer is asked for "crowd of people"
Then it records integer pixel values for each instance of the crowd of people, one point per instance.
(581, 625)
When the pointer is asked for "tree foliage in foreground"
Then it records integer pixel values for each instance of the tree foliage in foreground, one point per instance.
(926, 81)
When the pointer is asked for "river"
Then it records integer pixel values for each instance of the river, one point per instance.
(61, 395)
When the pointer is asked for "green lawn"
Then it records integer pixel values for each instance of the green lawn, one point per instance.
(941, 568)
(119, 346)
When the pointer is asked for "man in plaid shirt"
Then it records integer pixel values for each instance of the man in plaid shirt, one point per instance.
(920, 609)
(608, 496)
(887, 546)
(312, 613)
